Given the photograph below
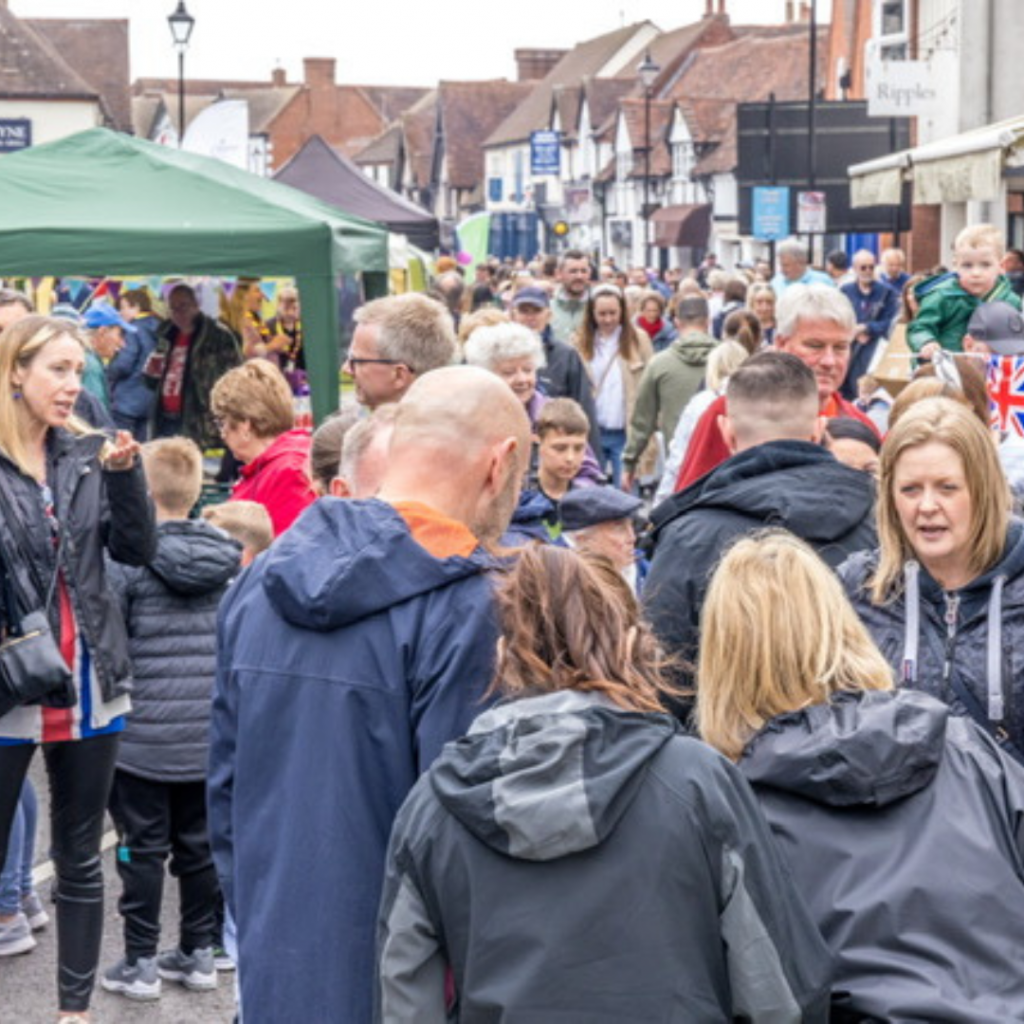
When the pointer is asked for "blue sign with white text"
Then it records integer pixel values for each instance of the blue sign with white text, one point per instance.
(15, 133)
(545, 152)
(770, 214)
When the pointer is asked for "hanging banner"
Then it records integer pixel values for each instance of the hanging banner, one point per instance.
(900, 88)
(811, 213)
(545, 152)
(770, 213)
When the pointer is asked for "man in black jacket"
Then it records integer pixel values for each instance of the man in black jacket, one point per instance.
(778, 476)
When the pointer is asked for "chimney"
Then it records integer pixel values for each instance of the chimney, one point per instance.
(709, 8)
(790, 17)
(278, 78)
(721, 8)
(319, 72)
(533, 64)
(805, 11)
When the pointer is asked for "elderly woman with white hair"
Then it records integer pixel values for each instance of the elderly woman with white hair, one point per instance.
(515, 353)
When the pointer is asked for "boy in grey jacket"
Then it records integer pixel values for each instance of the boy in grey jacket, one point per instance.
(158, 800)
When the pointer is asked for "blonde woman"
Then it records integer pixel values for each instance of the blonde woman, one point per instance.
(645, 884)
(68, 498)
(900, 820)
(943, 596)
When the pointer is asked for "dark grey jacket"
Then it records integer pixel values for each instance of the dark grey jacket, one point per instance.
(972, 637)
(170, 609)
(572, 862)
(100, 513)
(904, 827)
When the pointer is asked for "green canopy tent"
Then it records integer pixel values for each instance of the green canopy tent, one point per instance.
(101, 203)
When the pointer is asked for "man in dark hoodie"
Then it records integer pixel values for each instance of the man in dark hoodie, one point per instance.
(779, 475)
(349, 654)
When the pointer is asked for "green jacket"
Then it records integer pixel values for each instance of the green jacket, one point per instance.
(946, 310)
(94, 379)
(670, 380)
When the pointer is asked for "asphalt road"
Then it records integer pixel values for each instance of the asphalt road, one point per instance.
(27, 985)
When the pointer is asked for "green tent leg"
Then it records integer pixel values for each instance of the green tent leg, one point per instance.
(320, 338)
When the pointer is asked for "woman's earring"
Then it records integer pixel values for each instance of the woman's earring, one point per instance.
(15, 394)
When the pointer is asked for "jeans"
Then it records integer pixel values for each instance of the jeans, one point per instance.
(613, 443)
(154, 820)
(16, 876)
(80, 773)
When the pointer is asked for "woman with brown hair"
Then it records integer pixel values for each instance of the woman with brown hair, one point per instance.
(900, 819)
(615, 352)
(574, 857)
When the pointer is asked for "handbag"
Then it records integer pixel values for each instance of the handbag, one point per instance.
(32, 668)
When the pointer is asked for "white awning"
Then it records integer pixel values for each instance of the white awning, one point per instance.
(952, 170)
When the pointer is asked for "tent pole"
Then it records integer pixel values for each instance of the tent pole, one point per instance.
(319, 298)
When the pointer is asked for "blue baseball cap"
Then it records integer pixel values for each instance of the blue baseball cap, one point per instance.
(588, 506)
(103, 315)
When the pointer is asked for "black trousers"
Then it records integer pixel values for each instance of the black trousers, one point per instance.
(80, 772)
(155, 820)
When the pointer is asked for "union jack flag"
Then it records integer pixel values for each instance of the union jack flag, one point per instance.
(1006, 392)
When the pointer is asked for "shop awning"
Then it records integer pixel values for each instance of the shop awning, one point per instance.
(963, 167)
(683, 225)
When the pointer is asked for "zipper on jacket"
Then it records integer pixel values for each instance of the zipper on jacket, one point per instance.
(952, 611)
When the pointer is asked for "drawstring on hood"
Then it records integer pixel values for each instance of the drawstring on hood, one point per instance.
(994, 651)
(912, 635)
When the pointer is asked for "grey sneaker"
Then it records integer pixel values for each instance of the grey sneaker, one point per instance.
(222, 959)
(16, 936)
(32, 908)
(137, 980)
(195, 970)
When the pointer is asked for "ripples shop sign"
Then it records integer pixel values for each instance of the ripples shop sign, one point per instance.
(15, 133)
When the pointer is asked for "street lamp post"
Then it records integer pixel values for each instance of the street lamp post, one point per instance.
(647, 72)
(181, 23)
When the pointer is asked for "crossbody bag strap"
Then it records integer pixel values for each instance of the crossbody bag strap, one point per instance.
(977, 712)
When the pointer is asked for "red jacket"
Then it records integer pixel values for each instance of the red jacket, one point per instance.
(279, 479)
(708, 449)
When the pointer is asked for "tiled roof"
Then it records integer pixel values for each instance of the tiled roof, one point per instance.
(32, 68)
(418, 125)
(661, 123)
(384, 149)
(603, 95)
(80, 43)
(470, 111)
(391, 101)
(747, 70)
(669, 50)
(567, 103)
(585, 59)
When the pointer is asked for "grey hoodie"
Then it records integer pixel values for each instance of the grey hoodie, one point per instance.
(904, 826)
(573, 862)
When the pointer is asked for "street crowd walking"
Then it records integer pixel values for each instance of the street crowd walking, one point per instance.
(631, 646)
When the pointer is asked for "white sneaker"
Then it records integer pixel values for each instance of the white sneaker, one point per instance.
(16, 936)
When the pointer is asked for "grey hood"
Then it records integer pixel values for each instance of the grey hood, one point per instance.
(544, 777)
(870, 748)
(194, 557)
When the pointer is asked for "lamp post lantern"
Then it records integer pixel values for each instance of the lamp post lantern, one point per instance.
(181, 23)
(647, 72)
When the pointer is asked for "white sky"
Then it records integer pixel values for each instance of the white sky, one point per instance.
(388, 42)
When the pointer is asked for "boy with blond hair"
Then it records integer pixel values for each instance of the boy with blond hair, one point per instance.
(158, 800)
(247, 521)
(948, 300)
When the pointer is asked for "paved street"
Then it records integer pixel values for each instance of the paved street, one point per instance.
(27, 988)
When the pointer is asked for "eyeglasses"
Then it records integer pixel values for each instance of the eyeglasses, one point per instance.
(864, 266)
(221, 423)
(355, 361)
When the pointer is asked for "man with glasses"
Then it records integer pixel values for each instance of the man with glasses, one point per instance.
(875, 306)
(397, 339)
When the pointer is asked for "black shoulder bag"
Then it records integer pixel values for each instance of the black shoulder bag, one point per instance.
(32, 668)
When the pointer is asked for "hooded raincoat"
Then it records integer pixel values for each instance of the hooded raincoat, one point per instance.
(349, 654)
(903, 825)
(964, 646)
(574, 863)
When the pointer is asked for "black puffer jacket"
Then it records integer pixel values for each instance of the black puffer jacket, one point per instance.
(794, 485)
(970, 639)
(170, 609)
(99, 512)
(904, 827)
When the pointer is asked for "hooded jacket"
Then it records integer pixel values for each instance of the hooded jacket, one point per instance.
(573, 862)
(903, 827)
(348, 656)
(970, 639)
(170, 609)
(946, 310)
(668, 383)
(278, 479)
(795, 485)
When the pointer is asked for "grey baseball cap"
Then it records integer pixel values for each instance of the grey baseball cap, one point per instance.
(1000, 326)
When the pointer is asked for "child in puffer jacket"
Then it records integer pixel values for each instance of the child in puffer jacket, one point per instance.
(158, 800)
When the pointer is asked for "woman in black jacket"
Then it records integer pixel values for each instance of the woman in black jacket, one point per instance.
(67, 496)
(900, 821)
(943, 596)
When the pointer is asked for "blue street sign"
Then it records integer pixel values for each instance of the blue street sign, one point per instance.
(545, 152)
(770, 220)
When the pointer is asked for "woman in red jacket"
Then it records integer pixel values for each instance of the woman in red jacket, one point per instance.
(253, 409)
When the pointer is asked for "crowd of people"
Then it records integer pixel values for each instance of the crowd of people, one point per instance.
(630, 646)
